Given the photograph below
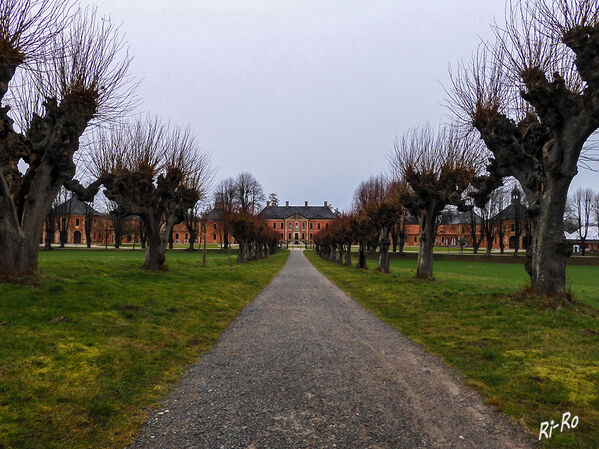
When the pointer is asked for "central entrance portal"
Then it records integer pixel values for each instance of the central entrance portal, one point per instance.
(296, 238)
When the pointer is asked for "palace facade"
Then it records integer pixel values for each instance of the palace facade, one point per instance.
(297, 224)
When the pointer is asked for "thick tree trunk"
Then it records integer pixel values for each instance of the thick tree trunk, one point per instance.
(156, 251)
(204, 251)
(394, 238)
(348, 255)
(340, 254)
(549, 250)
(225, 240)
(362, 255)
(241, 254)
(49, 237)
(402, 243)
(489, 247)
(118, 237)
(192, 240)
(383, 261)
(18, 254)
(426, 247)
(63, 238)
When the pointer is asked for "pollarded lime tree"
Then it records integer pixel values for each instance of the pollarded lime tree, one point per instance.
(533, 96)
(255, 238)
(156, 172)
(377, 199)
(437, 168)
(59, 72)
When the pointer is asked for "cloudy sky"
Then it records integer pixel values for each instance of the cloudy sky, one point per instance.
(306, 95)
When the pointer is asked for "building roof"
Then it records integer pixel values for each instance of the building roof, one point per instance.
(458, 218)
(592, 234)
(309, 212)
(509, 213)
(75, 207)
(215, 214)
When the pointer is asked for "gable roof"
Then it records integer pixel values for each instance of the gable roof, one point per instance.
(309, 212)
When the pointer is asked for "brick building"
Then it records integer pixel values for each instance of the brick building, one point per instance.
(458, 227)
(298, 224)
(102, 232)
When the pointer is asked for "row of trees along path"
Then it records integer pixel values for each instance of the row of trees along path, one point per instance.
(532, 96)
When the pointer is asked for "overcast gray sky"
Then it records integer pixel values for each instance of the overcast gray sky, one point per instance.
(306, 95)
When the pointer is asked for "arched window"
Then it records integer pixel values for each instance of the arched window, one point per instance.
(77, 222)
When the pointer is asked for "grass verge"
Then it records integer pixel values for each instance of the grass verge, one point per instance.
(87, 352)
(533, 363)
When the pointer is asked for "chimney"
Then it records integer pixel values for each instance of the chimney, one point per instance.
(326, 204)
(305, 204)
(268, 204)
(286, 203)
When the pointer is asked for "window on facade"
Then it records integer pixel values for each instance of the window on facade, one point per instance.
(290, 226)
(310, 236)
(296, 225)
(326, 225)
(290, 235)
(186, 236)
(213, 236)
(311, 225)
(282, 225)
(274, 226)
(303, 236)
(214, 226)
(303, 225)
(513, 227)
(318, 226)
(415, 239)
(177, 237)
(76, 222)
(282, 237)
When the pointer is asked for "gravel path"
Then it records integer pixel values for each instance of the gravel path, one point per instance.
(304, 366)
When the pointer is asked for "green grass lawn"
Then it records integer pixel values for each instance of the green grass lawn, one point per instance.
(531, 361)
(87, 380)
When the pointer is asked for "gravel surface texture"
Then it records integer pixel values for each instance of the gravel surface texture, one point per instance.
(305, 366)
